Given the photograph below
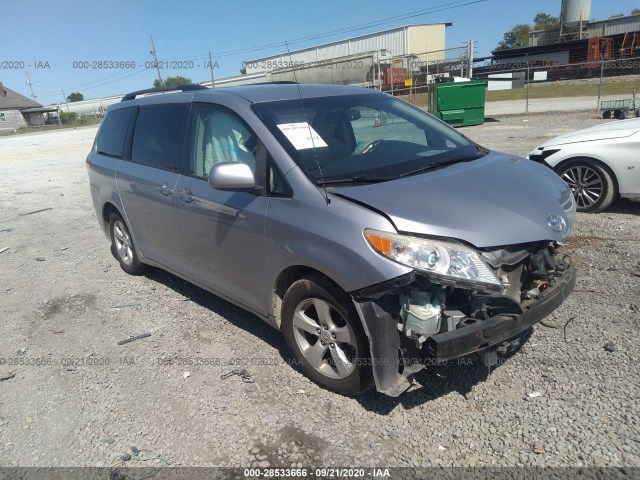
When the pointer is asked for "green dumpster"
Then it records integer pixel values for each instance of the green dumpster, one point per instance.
(460, 104)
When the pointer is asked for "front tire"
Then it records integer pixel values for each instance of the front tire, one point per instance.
(123, 247)
(323, 331)
(592, 186)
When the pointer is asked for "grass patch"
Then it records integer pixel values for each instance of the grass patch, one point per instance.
(562, 89)
(574, 88)
(420, 100)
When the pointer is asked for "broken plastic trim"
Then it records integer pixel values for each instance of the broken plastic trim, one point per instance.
(464, 284)
(379, 308)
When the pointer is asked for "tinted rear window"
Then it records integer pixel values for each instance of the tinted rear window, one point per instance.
(159, 135)
(113, 131)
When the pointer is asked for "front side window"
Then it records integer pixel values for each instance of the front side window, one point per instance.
(158, 136)
(219, 137)
(113, 131)
(366, 137)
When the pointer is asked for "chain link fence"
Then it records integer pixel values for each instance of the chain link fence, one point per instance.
(537, 86)
(519, 86)
(408, 76)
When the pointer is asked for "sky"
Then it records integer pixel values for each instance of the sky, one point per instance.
(54, 40)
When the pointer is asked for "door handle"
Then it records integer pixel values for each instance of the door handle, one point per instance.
(164, 189)
(186, 196)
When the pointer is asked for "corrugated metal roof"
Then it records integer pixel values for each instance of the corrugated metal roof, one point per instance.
(347, 40)
(617, 26)
(41, 109)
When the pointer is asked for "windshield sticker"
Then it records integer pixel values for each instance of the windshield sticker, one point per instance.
(302, 135)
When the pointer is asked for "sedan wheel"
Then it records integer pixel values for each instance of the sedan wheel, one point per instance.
(592, 186)
(323, 331)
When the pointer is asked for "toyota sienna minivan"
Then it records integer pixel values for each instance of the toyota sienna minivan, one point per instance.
(375, 237)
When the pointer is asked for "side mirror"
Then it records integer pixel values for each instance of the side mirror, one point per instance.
(232, 176)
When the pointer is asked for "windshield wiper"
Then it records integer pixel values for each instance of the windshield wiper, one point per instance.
(443, 163)
(356, 179)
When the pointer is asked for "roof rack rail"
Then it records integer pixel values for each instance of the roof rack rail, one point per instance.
(276, 82)
(183, 88)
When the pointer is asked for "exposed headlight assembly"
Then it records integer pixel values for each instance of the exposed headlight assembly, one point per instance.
(450, 263)
(543, 155)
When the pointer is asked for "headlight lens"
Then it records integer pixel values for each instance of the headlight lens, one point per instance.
(438, 257)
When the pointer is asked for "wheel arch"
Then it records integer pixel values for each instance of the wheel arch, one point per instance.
(599, 163)
(285, 279)
(107, 209)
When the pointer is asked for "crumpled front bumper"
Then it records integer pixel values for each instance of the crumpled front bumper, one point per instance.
(496, 330)
(379, 315)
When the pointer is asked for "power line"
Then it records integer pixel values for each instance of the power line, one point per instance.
(368, 5)
(405, 16)
(81, 86)
(416, 13)
(109, 82)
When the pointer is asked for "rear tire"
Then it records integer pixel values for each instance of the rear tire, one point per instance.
(123, 247)
(620, 114)
(323, 331)
(592, 186)
(606, 114)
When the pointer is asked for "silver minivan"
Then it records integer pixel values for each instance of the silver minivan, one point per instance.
(378, 239)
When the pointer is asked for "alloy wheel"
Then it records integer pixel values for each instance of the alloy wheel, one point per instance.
(325, 338)
(122, 242)
(585, 183)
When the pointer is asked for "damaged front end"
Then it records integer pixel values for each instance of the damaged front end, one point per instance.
(426, 318)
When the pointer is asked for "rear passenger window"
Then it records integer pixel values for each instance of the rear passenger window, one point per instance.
(113, 131)
(159, 135)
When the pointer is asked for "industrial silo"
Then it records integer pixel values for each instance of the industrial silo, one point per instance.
(575, 11)
(574, 18)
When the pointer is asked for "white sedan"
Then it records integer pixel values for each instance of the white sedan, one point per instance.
(598, 163)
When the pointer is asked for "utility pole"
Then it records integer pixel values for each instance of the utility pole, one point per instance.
(528, 80)
(470, 59)
(211, 68)
(601, 75)
(65, 100)
(391, 76)
(33, 95)
(426, 66)
(155, 58)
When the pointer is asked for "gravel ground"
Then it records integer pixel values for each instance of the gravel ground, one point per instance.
(569, 397)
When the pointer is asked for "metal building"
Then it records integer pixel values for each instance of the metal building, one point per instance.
(395, 42)
(599, 28)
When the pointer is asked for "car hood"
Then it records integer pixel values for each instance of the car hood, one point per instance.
(605, 131)
(496, 200)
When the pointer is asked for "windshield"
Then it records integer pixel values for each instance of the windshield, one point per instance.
(362, 138)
